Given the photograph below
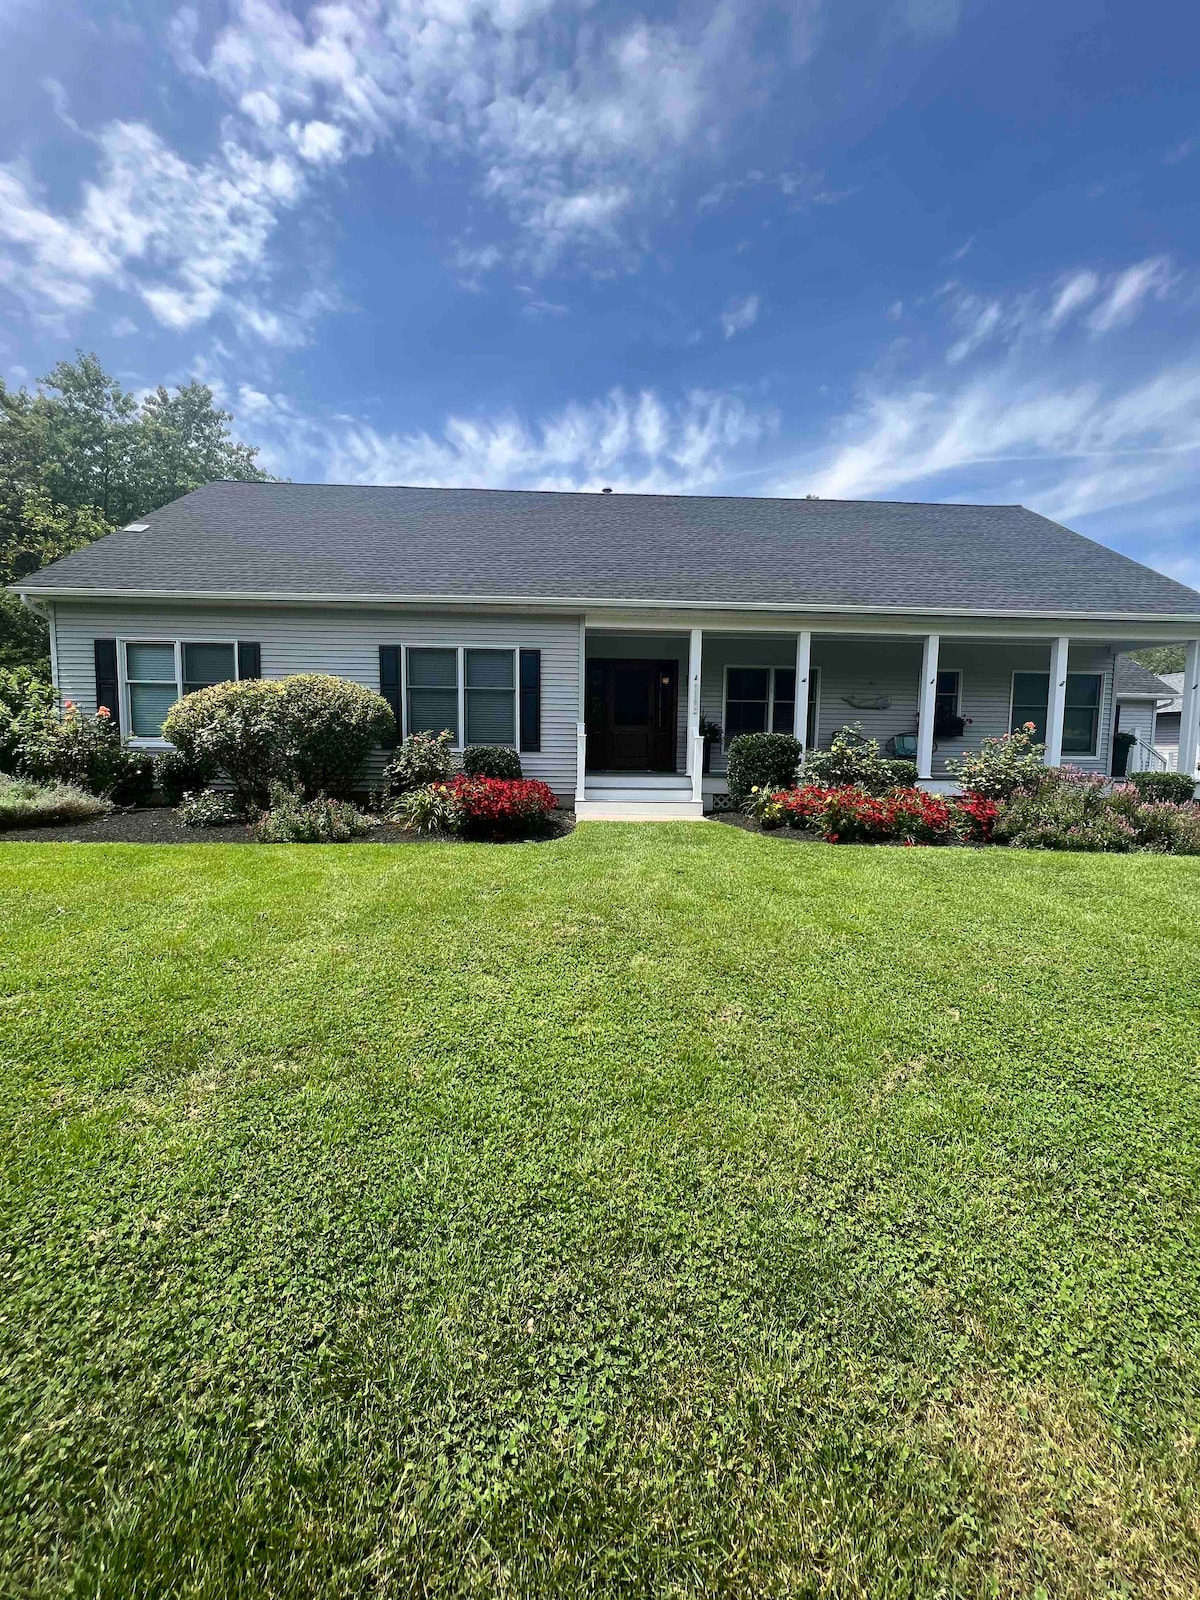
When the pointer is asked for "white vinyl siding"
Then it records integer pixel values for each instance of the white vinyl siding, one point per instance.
(343, 641)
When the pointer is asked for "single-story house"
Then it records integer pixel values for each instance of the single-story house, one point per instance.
(1141, 697)
(599, 633)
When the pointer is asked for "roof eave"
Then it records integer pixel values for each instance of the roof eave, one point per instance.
(576, 603)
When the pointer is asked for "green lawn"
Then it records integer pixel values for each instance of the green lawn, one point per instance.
(665, 1210)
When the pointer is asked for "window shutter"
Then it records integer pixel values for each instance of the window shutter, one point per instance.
(249, 659)
(531, 700)
(107, 689)
(389, 685)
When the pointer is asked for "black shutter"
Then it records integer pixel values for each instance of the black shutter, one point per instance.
(249, 659)
(108, 692)
(531, 700)
(389, 685)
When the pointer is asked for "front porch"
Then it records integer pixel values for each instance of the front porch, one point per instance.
(933, 697)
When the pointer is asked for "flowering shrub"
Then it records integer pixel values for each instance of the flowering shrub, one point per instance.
(1001, 766)
(310, 731)
(977, 817)
(293, 820)
(854, 761)
(1065, 809)
(421, 760)
(504, 807)
(210, 809)
(87, 752)
(849, 813)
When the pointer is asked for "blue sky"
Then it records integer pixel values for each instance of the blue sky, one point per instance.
(907, 249)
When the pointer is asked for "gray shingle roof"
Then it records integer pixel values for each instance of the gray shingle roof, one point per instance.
(316, 539)
(1132, 678)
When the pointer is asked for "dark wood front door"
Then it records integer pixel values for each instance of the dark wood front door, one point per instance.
(631, 711)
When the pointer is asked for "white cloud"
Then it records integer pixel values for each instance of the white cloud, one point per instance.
(177, 234)
(1074, 292)
(1071, 448)
(572, 130)
(631, 442)
(929, 18)
(123, 327)
(1129, 289)
(739, 315)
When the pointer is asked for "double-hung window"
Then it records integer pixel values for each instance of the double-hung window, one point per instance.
(159, 672)
(1081, 715)
(763, 700)
(472, 693)
(946, 696)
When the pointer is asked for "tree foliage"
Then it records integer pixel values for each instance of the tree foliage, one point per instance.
(80, 456)
(1161, 658)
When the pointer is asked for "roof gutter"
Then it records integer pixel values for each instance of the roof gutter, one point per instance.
(575, 603)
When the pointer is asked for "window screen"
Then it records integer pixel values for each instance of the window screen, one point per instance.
(150, 675)
(205, 664)
(433, 691)
(491, 696)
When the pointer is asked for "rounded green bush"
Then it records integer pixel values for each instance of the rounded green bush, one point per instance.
(761, 761)
(491, 761)
(310, 732)
(335, 725)
(1163, 785)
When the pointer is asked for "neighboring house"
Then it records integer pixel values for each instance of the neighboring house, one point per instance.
(594, 631)
(1167, 720)
(1140, 696)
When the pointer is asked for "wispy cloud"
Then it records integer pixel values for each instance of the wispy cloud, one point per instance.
(929, 18)
(1129, 289)
(739, 315)
(1027, 418)
(626, 441)
(569, 131)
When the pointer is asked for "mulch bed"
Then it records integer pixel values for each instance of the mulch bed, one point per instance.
(160, 825)
(738, 819)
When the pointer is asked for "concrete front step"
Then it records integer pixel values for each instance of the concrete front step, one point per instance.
(639, 811)
(629, 794)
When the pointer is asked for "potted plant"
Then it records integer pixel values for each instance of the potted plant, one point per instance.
(710, 732)
(1123, 743)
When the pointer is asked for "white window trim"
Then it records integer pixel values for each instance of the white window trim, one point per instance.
(460, 668)
(1087, 755)
(156, 741)
(956, 673)
(771, 668)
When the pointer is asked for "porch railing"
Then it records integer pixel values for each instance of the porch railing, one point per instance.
(1144, 757)
(698, 768)
(580, 758)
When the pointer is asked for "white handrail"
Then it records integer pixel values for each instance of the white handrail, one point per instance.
(580, 759)
(698, 768)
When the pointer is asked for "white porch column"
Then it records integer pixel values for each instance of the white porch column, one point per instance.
(581, 720)
(803, 669)
(1189, 711)
(926, 701)
(1057, 705)
(694, 750)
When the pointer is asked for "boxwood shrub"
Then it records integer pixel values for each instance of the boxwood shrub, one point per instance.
(491, 761)
(761, 761)
(1163, 785)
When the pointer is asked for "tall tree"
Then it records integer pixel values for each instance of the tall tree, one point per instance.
(81, 456)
